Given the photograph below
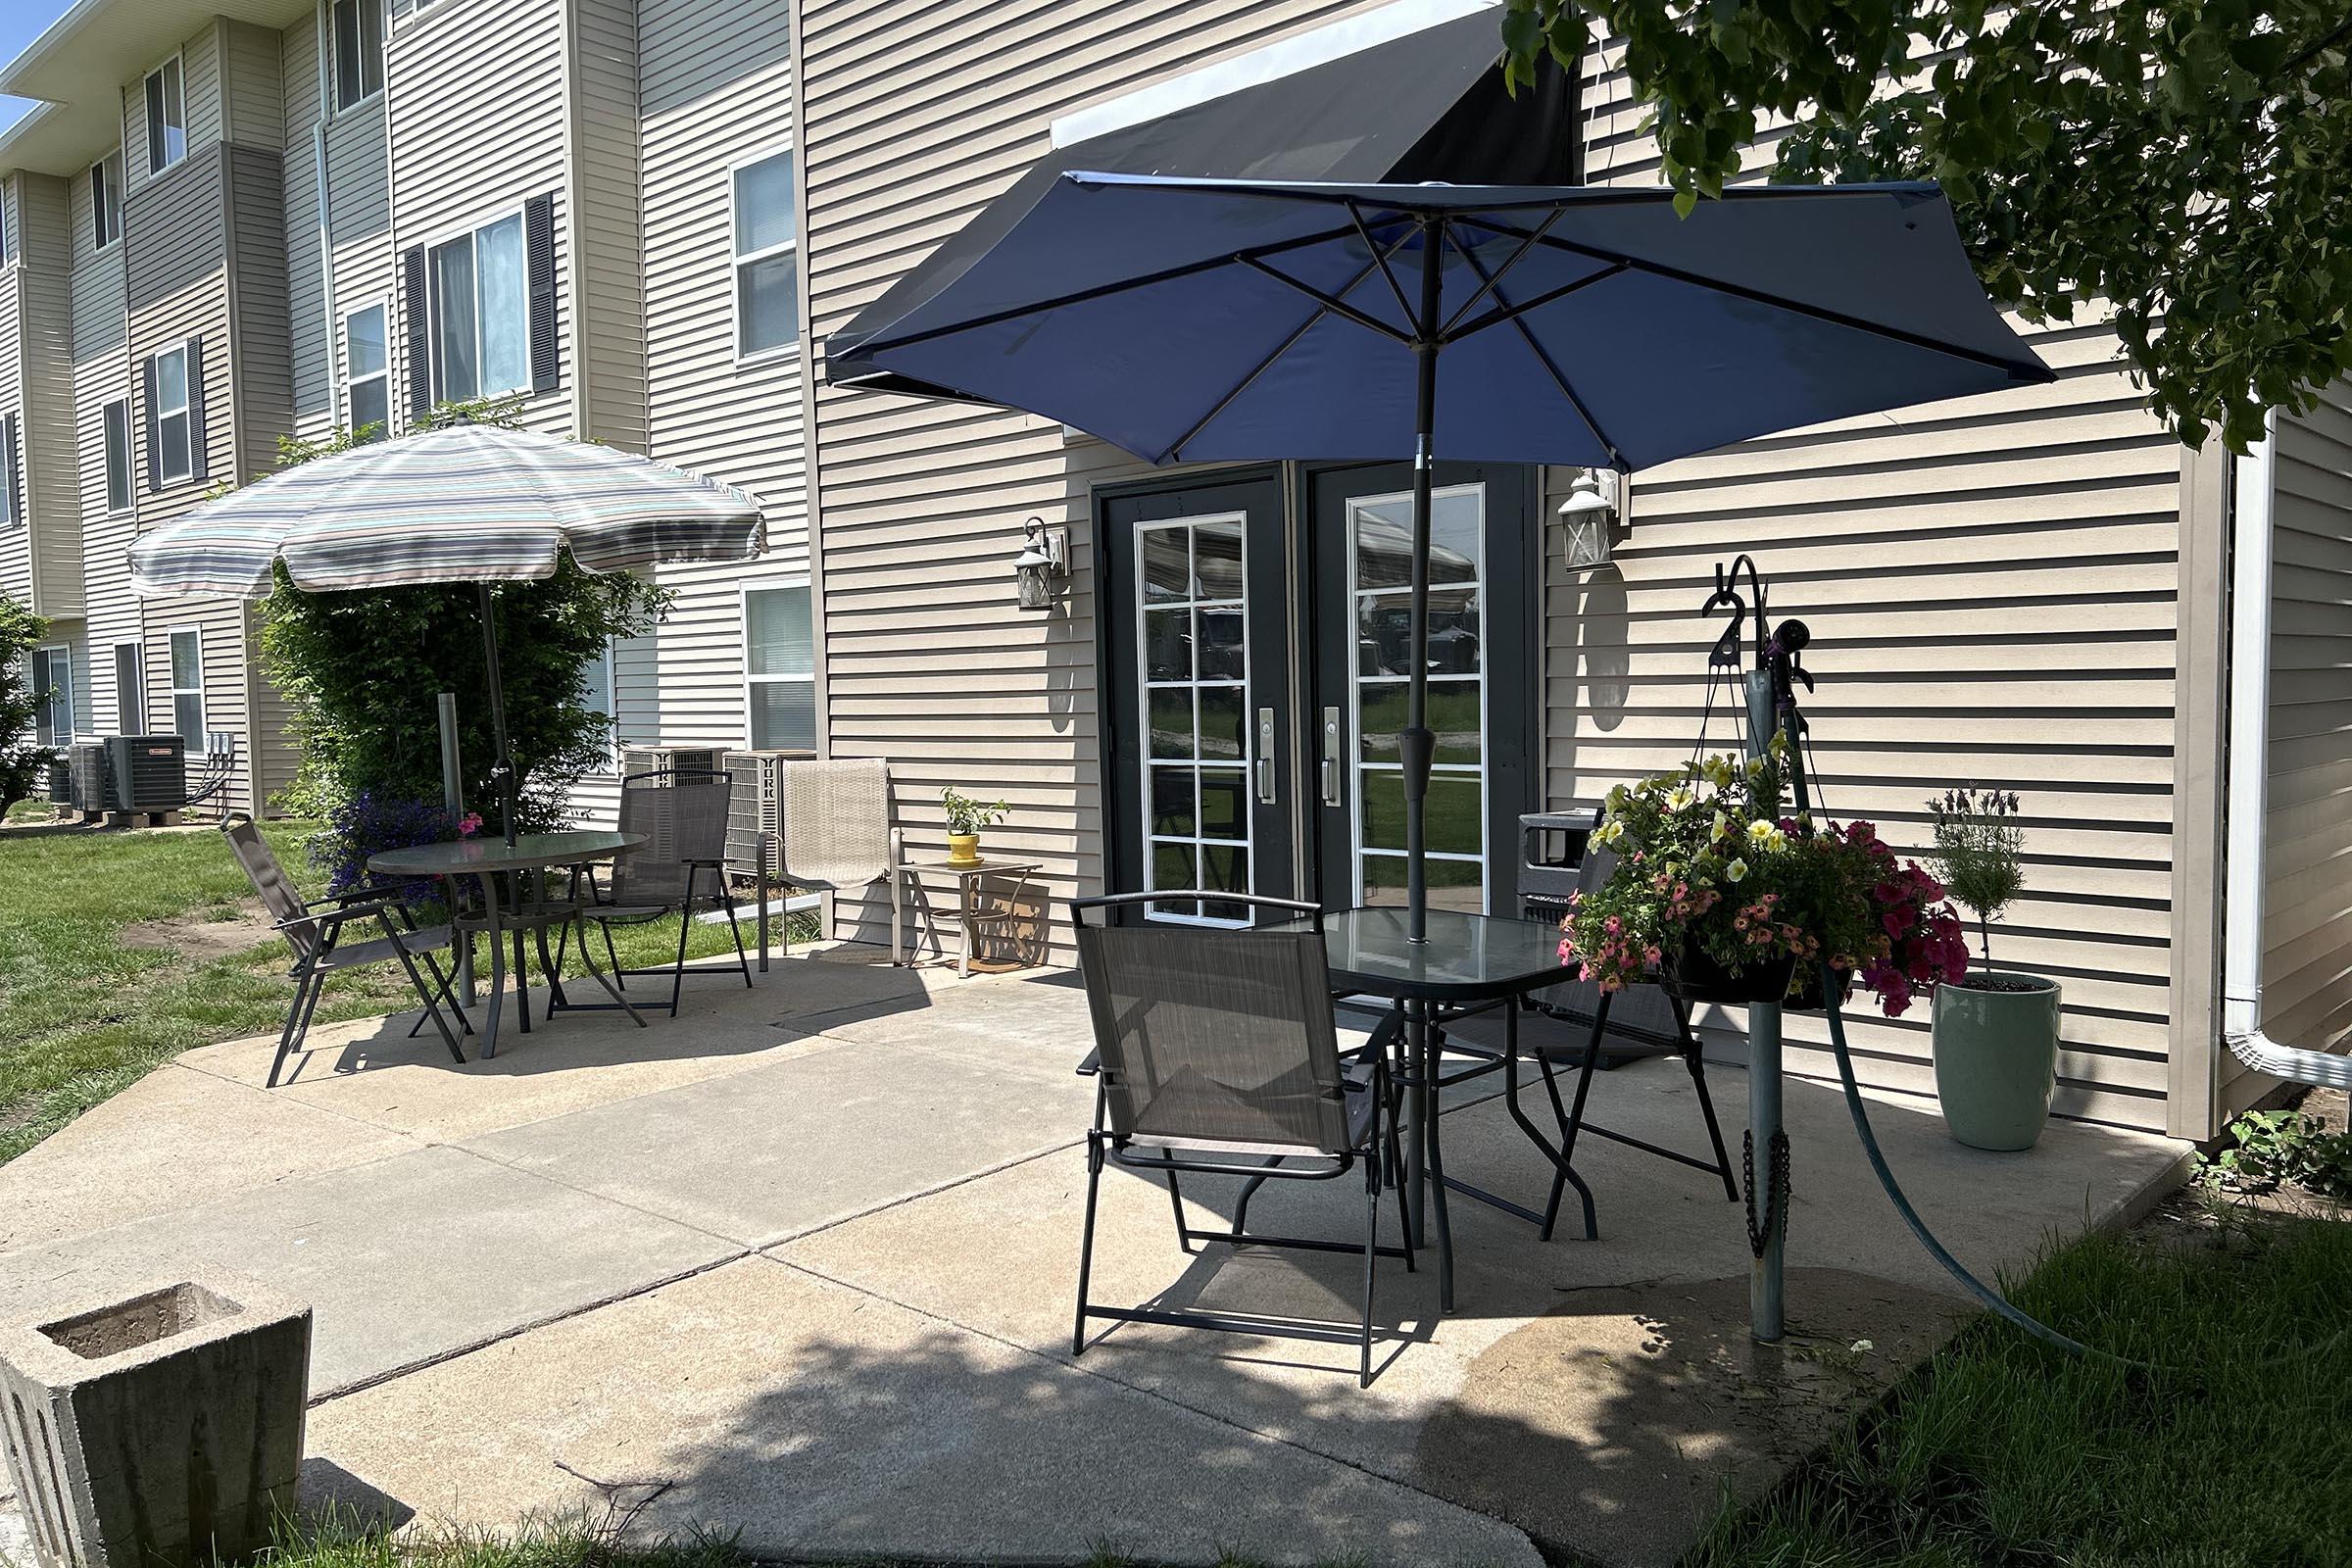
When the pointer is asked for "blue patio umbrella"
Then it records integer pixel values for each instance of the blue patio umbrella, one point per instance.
(1199, 319)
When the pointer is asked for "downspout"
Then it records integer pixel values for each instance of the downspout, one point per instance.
(327, 245)
(2253, 484)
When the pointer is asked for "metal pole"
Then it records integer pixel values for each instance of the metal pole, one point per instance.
(1415, 745)
(1764, 1129)
(502, 769)
(453, 796)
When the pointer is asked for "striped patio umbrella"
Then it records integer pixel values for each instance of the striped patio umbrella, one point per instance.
(465, 503)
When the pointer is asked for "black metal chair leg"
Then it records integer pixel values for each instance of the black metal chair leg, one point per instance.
(677, 972)
(1363, 1375)
(1240, 1205)
(619, 979)
(1184, 1235)
(726, 901)
(297, 1023)
(1086, 1244)
(432, 1009)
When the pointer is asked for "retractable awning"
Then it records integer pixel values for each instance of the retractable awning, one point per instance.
(1426, 106)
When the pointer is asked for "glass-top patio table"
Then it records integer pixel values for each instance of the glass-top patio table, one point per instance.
(1470, 963)
(527, 902)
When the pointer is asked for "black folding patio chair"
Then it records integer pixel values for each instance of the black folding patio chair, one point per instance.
(315, 930)
(1216, 1053)
(683, 814)
(1638, 1020)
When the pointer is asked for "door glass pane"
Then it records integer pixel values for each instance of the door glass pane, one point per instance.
(1380, 539)
(1195, 698)
(504, 307)
(458, 366)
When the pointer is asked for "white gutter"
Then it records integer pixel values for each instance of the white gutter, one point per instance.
(2253, 484)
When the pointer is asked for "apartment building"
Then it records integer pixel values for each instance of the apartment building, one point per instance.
(241, 218)
(231, 222)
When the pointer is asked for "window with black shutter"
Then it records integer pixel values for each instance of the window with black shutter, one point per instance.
(417, 328)
(539, 241)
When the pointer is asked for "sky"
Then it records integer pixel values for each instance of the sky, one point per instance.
(21, 22)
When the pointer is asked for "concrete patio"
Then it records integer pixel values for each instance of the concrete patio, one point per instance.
(807, 1254)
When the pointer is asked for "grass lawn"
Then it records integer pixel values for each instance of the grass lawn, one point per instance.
(2000, 1452)
(106, 970)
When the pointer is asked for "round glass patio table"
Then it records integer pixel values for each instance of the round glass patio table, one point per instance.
(1469, 961)
(504, 915)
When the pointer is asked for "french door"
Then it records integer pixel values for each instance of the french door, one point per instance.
(1254, 656)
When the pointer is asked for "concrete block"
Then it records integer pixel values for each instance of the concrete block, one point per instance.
(160, 1429)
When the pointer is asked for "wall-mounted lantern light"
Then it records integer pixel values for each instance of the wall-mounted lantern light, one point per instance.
(1588, 518)
(1045, 555)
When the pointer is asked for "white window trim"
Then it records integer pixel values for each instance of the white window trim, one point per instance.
(131, 459)
(55, 651)
(737, 263)
(98, 173)
(432, 301)
(176, 59)
(133, 723)
(187, 402)
(383, 65)
(177, 691)
(610, 767)
(743, 630)
(345, 380)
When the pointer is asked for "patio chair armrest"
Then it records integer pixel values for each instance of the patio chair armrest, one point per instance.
(1384, 1035)
(335, 918)
(1093, 1064)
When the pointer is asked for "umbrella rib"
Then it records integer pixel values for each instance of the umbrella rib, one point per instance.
(1330, 302)
(1505, 311)
(1266, 363)
(1014, 312)
(2037, 371)
(1446, 332)
(1518, 320)
(1403, 306)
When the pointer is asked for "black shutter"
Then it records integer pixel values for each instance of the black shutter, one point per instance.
(155, 455)
(11, 465)
(199, 469)
(539, 252)
(420, 341)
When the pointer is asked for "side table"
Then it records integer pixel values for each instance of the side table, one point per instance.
(972, 914)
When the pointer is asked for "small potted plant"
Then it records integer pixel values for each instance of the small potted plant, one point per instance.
(1720, 897)
(965, 818)
(1997, 1031)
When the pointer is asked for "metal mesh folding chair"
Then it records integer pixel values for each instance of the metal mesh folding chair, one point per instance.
(683, 814)
(1216, 1053)
(315, 930)
(1641, 1019)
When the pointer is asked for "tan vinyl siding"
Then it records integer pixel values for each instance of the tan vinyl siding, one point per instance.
(916, 115)
(1991, 586)
(41, 343)
(253, 108)
(478, 124)
(101, 374)
(200, 97)
(312, 382)
(2306, 912)
(15, 539)
(261, 339)
(610, 309)
(715, 89)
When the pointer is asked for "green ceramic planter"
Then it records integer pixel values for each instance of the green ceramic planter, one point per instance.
(1996, 1061)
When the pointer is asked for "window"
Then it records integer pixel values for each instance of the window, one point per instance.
(105, 200)
(53, 689)
(481, 340)
(118, 454)
(367, 373)
(187, 688)
(130, 689)
(173, 449)
(359, 50)
(779, 667)
(767, 262)
(596, 694)
(166, 118)
(10, 515)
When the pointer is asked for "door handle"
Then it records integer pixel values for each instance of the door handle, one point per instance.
(1331, 757)
(1266, 756)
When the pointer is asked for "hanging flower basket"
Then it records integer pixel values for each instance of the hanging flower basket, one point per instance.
(1804, 989)
(1694, 976)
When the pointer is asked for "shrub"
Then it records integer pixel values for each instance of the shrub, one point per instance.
(367, 824)
(21, 758)
(1978, 843)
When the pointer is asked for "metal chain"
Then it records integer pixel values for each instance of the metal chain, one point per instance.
(1776, 1201)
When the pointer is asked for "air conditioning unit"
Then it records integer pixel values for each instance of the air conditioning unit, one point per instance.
(61, 783)
(86, 763)
(637, 759)
(756, 803)
(149, 772)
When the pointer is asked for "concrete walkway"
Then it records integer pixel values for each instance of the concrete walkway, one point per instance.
(807, 1254)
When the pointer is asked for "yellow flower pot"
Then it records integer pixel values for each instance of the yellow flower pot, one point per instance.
(963, 848)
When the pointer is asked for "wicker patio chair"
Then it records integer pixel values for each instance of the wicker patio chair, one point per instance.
(1639, 1020)
(683, 814)
(315, 930)
(1216, 1053)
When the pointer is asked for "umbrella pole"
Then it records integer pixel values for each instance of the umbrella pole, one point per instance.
(1415, 745)
(501, 770)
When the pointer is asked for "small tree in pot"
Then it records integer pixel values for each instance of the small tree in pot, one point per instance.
(965, 818)
(1997, 1031)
